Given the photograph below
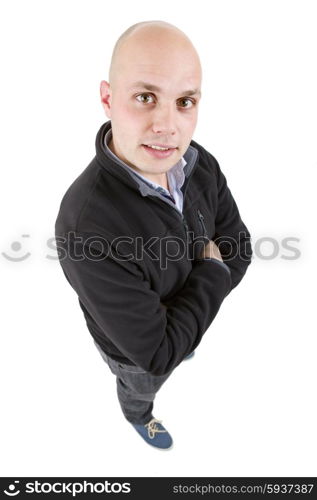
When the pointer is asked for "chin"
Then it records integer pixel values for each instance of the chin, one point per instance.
(160, 166)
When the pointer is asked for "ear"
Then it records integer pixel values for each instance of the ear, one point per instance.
(105, 95)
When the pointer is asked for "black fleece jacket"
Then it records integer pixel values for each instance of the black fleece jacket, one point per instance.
(134, 259)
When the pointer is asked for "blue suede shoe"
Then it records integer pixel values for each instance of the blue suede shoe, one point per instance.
(154, 434)
(189, 355)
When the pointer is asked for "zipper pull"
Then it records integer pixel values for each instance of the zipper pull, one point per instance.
(201, 220)
(188, 238)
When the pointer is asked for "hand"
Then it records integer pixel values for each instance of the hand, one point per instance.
(211, 251)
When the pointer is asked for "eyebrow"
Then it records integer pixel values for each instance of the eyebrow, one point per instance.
(155, 88)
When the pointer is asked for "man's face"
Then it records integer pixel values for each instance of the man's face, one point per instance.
(153, 101)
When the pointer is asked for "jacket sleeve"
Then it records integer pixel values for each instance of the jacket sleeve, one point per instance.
(231, 234)
(120, 299)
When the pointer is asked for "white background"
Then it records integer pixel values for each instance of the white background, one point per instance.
(246, 404)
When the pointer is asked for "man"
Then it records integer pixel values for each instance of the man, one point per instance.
(149, 235)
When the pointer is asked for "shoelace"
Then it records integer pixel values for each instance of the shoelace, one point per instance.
(152, 428)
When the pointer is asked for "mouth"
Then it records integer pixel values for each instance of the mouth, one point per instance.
(160, 147)
(159, 150)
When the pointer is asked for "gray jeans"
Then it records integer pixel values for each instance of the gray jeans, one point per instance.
(136, 389)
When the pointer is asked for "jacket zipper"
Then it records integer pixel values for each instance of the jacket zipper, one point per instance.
(188, 238)
(201, 220)
(181, 215)
(187, 234)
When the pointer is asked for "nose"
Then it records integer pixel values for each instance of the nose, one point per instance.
(164, 120)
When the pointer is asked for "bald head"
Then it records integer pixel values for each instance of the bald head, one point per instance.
(152, 97)
(145, 38)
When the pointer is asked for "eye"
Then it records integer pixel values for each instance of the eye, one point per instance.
(186, 103)
(145, 98)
